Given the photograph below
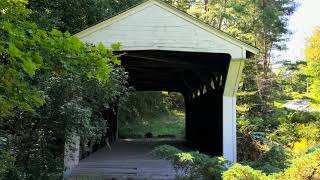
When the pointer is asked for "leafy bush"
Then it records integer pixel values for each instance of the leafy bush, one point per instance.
(183, 164)
(283, 134)
(7, 163)
(306, 167)
(298, 137)
(207, 167)
(304, 117)
(51, 85)
(274, 160)
(165, 152)
(192, 165)
(251, 140)
(239, 172)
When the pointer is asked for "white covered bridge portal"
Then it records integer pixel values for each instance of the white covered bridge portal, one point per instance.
(169, 50)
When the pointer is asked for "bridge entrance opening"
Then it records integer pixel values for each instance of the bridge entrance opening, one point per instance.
(152, 114)
(199, 77)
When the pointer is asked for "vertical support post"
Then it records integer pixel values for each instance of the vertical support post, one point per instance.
(229, 110)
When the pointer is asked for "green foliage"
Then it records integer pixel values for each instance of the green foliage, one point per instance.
(274, 160)
(260, 23)
(195, 165)
(159, 113)
(159, 124)
(251, 139)
(207, 167)
(7, 163)
(304, 117)
(183, 5)
(16, 64)
(312, 54)
(246, 19)
(142, 103)
(249, 102)
(165, 152)
(74, 16)
(292, 78)
(298, 131)
(306, 167)
(52, 85)
(28, 53)
(192, 165)
(239, 172)
(284, 134)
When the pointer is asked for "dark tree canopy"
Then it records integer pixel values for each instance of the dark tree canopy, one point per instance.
(76, 15)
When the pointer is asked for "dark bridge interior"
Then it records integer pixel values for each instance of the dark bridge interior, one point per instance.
(200, 77)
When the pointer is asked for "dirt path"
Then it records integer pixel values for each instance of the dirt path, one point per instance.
(128, 159)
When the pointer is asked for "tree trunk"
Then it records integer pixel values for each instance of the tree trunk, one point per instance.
(224, 12)
(206, 5)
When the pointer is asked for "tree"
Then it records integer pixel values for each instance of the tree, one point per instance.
(292, 78)
(261, 23)
(312, 53)
(27, 52)
(183, 5)
(74, 16)
(51, 85)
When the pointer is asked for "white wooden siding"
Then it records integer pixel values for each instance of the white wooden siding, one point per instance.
(155, 28)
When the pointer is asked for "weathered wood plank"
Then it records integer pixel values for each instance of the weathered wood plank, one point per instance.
(126, 160)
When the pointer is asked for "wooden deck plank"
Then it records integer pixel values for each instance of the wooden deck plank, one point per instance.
(126, 160)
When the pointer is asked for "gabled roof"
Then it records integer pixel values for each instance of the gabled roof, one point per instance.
(175, 11)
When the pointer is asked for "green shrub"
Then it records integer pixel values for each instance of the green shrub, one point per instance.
(274, 160)
(165, 152)
(207, 167)
(239, 172)
(192, 165)
(251, 140)
(304, 117)
(298, 137)
(306, 167)
(7, 163)
(183, 164)
(51, 86)
(195, 165)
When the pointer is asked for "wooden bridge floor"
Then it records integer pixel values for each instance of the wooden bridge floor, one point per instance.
(128, 159)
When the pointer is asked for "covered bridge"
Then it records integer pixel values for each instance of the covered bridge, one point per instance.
(169, 50)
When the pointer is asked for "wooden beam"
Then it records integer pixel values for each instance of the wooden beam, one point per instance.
(171, 61)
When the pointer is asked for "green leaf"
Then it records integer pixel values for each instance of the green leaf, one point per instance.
(101, 48)
(116, 61)
(37, 59)
(55, 32)
(14, 51)
(116, 46)
(29, 67)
